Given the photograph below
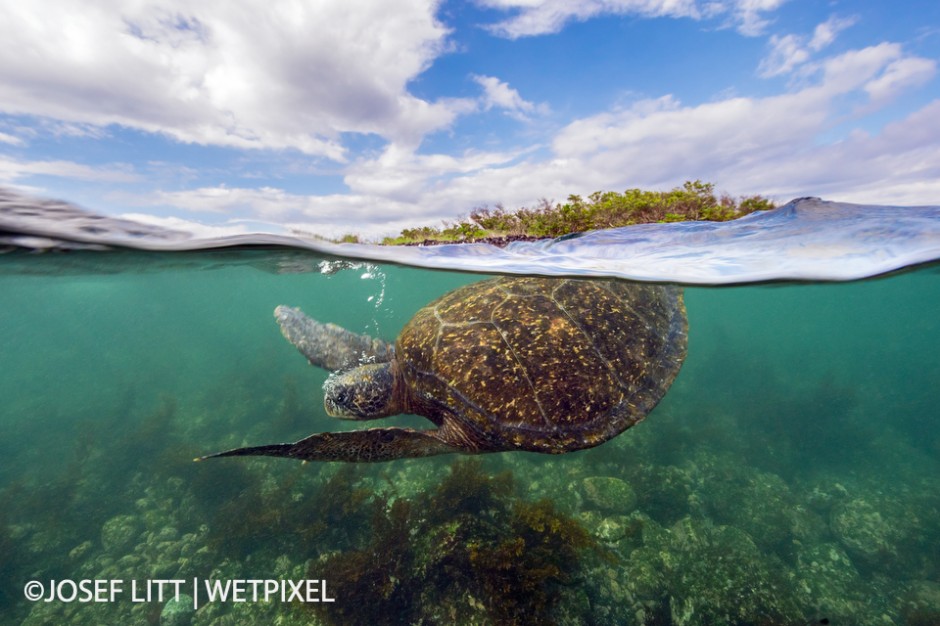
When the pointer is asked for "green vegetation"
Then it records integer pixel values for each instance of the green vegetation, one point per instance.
(695, 200)
(464, 552)
(349, 238)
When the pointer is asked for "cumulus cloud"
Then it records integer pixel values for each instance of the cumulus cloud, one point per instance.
(275, 77)
(899, 165)
(239, 73)
(769, 145)
(540, 17)
(743, 140)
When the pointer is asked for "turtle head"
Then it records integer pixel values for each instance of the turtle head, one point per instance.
(364, 392)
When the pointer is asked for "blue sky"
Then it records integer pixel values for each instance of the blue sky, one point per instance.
(334, 116)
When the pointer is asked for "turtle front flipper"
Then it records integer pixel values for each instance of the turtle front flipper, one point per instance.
(360, 446)
(327, 345)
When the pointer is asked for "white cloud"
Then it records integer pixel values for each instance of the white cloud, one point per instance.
(826, 33)
(11, 170)
(787, 52)
(402, 175)
(899, 165)
(768, 145)
(882, 68)
(260, 78)
(10, 139)
(387, 193)
(750, 15)
(747, 145)
(669, 142)
(540, 17)
(900, 75)
(498, 94)
(755, 144)
(325, 216)
(278, 74)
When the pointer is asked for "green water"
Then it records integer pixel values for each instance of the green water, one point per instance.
(789, 476)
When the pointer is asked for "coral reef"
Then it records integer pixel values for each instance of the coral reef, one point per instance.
(620, 537)
(609, 494)
(921, 604)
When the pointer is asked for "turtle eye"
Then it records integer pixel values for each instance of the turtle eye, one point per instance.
(342, 397)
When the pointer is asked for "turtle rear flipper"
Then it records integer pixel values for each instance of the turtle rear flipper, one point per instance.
(327, 345)
(360, 446)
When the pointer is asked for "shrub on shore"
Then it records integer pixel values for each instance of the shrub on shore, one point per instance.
(695, 200)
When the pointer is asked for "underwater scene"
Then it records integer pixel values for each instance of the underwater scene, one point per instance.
(790, 475)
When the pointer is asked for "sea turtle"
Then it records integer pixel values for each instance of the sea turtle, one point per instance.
(541, 364)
